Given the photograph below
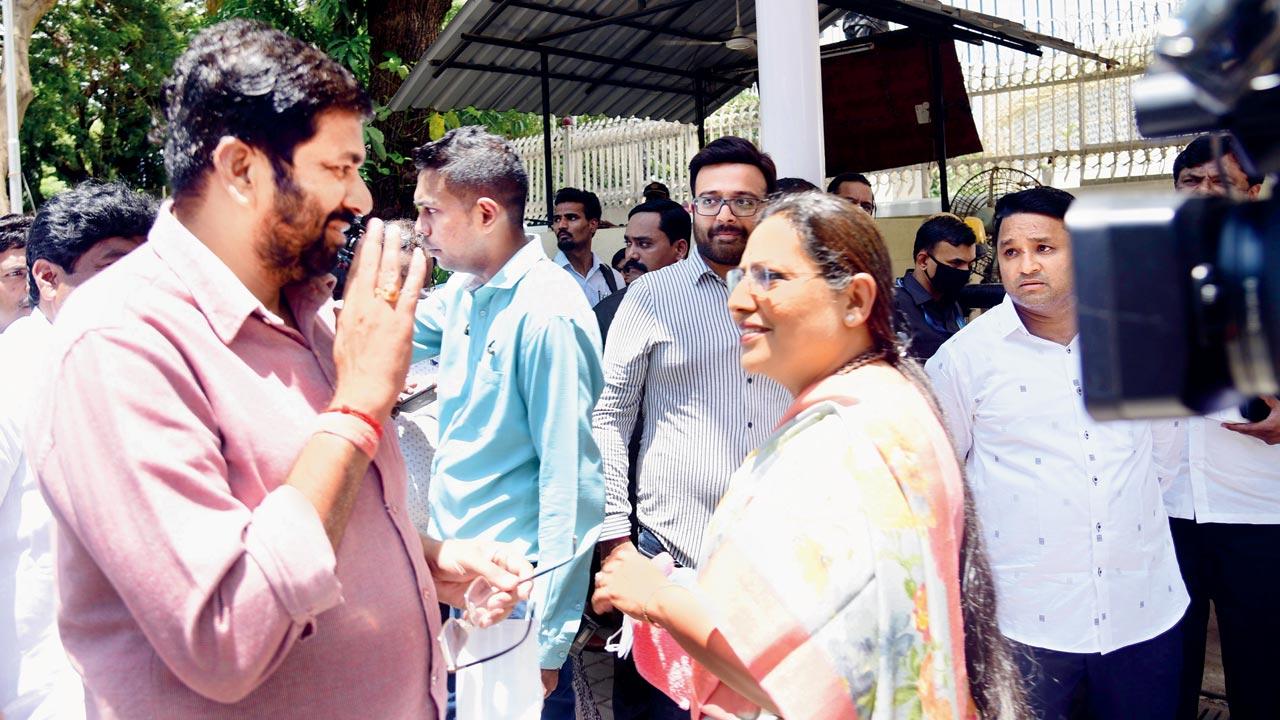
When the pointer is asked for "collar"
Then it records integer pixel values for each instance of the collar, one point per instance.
(216, 291)
(518, 266)
(698, 268)
(563, 261)
(39, 317)
(918, 294)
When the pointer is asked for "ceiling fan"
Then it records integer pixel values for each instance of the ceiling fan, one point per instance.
(739, 39)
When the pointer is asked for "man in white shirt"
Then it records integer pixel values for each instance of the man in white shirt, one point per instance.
(575, 221)
(1085, 570)
(75, 236)
(13, 268)
(1224, 511)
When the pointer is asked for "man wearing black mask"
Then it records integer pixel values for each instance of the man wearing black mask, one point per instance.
(925, 297)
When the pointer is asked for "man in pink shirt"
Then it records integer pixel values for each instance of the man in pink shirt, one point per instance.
(232, 532)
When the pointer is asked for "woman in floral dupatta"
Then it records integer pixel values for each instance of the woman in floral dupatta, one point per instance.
(843, 573)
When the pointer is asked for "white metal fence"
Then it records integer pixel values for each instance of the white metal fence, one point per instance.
(1066, 121)
(617, 157)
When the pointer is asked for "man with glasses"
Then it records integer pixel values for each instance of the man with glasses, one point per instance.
(925, 298)
(672, 359)
(856, 188)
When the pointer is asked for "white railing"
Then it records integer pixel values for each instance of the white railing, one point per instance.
(615, 158)
(1064, 120)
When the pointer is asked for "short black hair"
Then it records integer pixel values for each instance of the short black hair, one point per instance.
(616, 262)
(673, 221)
(793, 184)
(844, 177)
(587, 199)
(245, 79)
(1045, 200)
(474, 161)
(731, 149)
(75, 220)
(1200, 151)
(656, 190)
(13, 231)
(943, 227)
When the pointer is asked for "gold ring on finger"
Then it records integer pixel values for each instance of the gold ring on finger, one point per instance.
(390, 293)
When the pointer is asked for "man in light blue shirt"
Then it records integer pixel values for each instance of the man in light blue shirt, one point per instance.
(519, 375)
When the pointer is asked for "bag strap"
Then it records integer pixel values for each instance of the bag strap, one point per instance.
(609, 280)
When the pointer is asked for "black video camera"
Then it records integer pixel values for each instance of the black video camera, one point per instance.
(1179, 296)
(347, 254)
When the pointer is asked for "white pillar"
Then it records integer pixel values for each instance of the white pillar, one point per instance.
(791, 87)
(11, 107)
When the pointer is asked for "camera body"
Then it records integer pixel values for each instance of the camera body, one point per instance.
(347, 254)
(1179, 296)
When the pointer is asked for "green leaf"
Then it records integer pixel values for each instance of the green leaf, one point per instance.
(435, 126)
(451, 120)
(376, 140)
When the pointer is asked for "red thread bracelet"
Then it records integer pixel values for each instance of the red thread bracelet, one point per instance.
(373, 424)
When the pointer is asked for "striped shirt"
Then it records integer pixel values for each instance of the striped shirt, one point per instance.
(673, 353)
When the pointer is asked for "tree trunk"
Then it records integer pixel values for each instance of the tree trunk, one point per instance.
(406, 28)
(26, 14)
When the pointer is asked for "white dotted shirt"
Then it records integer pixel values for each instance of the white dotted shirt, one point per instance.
(1070, 507)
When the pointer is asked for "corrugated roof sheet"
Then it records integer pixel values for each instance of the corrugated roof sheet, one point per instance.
(459, 71)
(635, 58)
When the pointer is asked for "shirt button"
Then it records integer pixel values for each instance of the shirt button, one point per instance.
(1099, 572)
(1068, 351)
(1099, 527)
(1086, 434)
(750, 380)
(1095, 482)
(749, 425)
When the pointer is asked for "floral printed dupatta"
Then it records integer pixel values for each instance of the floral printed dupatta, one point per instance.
(832, 563)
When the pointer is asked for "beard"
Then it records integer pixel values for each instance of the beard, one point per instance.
(296, 244)
(565, 241)
(721, 251)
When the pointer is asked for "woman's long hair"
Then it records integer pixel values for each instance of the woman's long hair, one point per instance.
(843, 241)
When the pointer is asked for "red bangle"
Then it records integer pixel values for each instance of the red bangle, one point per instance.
(373, 424)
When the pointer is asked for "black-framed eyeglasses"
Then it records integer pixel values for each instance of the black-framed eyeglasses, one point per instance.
(740, 206)
(760, 277)
(456, 630)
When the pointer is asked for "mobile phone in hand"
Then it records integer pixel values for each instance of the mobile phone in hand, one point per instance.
(415, 401)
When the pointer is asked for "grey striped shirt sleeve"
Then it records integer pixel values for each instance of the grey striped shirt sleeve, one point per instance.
(626, 366)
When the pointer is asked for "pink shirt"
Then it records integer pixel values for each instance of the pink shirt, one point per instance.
(193, 582)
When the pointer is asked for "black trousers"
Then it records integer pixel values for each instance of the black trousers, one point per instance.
(1236, 566)
(1137, 682)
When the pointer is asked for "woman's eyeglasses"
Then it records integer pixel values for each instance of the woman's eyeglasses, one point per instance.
(740, 206)
(456, 630)
(760, 277)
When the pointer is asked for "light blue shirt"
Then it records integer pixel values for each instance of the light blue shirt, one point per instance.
(519, 377)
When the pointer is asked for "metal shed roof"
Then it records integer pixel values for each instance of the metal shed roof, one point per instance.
(604, 57)
(659, 59)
